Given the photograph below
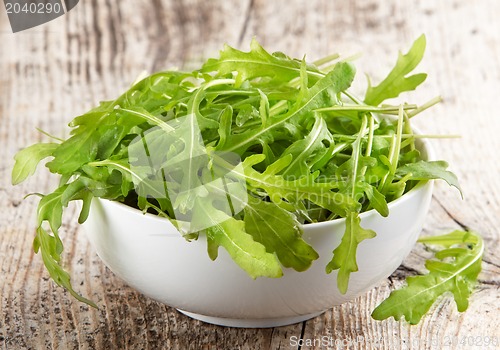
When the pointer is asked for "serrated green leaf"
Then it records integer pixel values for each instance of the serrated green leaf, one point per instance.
(86, 203)
(449, 239)
(429, 170)
(397, 81)
(230, 233)
(257, 63)
(279, 231)
(344, 256)
(74, 152)
(51, 255)
(27, 160)
(377, 199)
(458, 276)
(50, 209)
(225, 121)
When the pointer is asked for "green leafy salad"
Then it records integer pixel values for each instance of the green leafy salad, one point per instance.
(248, 149)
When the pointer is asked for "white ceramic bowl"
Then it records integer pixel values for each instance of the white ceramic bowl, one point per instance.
(149, 254)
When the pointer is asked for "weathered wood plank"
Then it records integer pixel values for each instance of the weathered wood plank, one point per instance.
(51, 73)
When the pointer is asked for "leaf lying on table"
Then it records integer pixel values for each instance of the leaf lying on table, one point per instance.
(454, 270)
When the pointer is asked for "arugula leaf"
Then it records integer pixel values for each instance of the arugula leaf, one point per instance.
(397, 81)
(230, 233)
(377, 199)
(50, 209)
(76, 151)
(429, 170)
(49, 246)
(452, 238)
(454, 269)
(344, 256)
(27, 160)
(279, 231)
(226, 118)
(257, 63)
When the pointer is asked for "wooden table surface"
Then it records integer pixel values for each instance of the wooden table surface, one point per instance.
(53, 72)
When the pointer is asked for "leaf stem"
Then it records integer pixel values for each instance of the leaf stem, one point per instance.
(425, 106)
(49, 135)
(370, 136)
(405, 136)
(151, 118)
(356, 152)
(407, 129)
(326, 59)
(347, 59)
(353, 98)
(361, 108)
(278, 107)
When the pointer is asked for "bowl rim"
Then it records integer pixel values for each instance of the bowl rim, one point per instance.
(425, 145)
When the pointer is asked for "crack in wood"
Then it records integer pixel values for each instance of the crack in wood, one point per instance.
(162, 36)
(491, 263)
(245, 22)
(458, 222)
(408, 269)
(401, 273)
(489, 283)
(113, 31)
(97, 37)
(302, 332)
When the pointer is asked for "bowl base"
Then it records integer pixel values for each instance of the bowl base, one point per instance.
(251, 322)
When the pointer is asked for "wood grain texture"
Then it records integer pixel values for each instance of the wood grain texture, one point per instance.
(52, 73)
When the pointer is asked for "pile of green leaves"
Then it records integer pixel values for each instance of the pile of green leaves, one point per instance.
(310, 151)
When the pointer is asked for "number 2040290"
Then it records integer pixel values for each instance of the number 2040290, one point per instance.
(33, 8)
